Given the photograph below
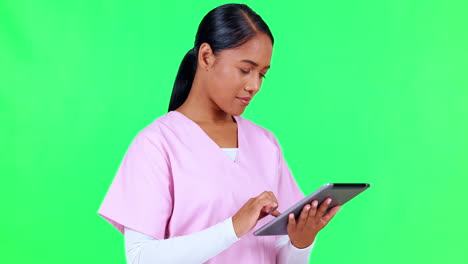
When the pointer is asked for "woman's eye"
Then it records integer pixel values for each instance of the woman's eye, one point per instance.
(247, 71)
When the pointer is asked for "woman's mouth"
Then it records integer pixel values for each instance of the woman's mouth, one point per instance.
(244, 100)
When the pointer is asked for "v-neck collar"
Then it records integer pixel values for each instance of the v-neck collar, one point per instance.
(212, 143)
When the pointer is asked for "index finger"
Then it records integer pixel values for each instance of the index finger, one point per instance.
(275, 212)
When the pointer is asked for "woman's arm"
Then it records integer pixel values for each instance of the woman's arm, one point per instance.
(143, 249)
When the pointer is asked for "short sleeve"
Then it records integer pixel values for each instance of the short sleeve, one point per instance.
(289, 192)
(140, 196)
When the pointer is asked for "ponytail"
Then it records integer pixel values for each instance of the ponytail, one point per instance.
(184, 79)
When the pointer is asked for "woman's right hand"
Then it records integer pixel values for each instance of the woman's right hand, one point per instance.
(255, 209)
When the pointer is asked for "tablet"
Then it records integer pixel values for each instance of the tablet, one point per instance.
(339, 192)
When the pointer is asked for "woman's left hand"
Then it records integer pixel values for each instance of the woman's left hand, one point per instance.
(302, 232)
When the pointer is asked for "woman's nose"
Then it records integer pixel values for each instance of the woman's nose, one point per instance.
(253, 84)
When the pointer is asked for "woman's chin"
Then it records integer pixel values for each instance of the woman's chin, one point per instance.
(237, 112)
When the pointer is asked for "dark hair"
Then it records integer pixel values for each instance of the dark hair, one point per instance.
(227, 26)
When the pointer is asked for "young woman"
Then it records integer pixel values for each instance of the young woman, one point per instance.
(198, 180)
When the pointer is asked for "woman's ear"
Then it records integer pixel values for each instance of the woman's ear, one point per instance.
(206, 57)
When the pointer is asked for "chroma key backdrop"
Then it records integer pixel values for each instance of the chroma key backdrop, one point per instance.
(358, 91)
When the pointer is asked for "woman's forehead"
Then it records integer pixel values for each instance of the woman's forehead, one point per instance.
(257, 50)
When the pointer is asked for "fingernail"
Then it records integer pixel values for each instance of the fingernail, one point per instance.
(329, 200)
(314, 203)
(307, 207)
(274, 204)
(291, 215)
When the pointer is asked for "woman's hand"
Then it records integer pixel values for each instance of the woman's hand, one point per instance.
(255, 209)
(302, 232)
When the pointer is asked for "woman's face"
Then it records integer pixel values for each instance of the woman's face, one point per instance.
(237, 73)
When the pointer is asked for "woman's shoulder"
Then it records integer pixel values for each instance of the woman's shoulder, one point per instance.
(166, 126)
(156, 131)
(158, 125)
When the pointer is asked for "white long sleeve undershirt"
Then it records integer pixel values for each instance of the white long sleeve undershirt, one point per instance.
(143, 249)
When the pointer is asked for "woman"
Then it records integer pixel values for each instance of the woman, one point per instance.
(177, 198)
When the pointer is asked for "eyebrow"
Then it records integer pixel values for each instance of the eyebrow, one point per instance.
(254, 63)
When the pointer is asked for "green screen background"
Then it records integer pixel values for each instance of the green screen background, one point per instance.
(359, 91)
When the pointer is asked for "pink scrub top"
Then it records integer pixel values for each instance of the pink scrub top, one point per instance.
(174, 180)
